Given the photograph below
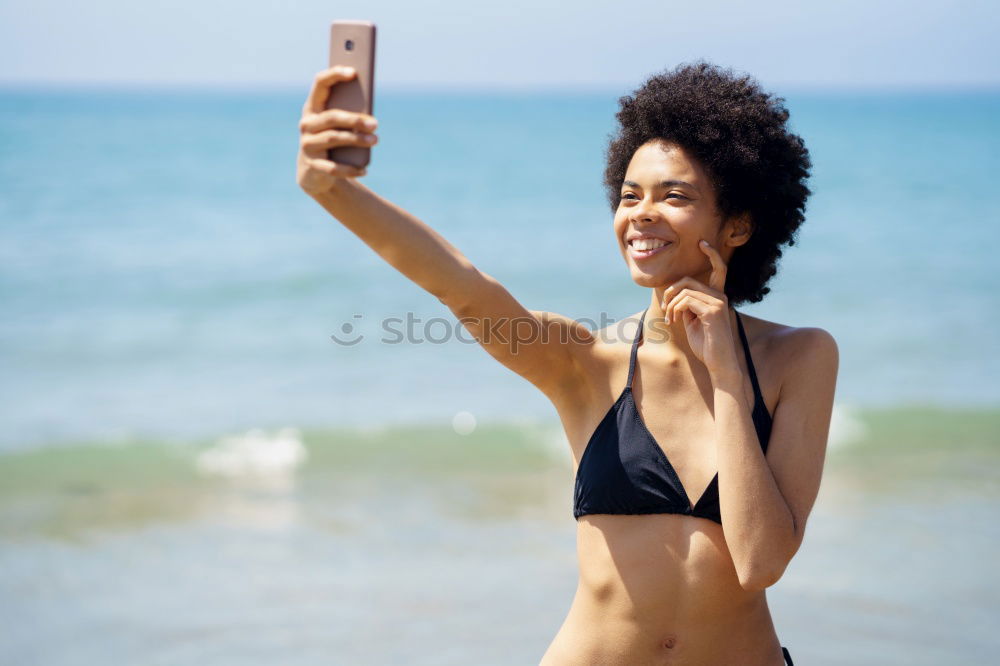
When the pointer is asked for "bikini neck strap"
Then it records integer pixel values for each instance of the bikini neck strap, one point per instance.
(635, 349)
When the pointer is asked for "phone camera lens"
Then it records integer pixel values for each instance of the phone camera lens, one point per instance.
(349, 44)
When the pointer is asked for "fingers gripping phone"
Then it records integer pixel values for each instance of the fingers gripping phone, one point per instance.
(353, 43)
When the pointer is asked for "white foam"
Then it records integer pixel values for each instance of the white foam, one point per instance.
(254, 453)
(845, 427)
(556, 445)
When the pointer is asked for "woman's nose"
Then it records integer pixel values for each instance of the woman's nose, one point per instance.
(643, 212)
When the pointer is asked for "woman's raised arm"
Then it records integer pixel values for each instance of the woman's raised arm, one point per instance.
(542, 347)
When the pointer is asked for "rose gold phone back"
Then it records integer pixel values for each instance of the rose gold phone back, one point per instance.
(357, 94)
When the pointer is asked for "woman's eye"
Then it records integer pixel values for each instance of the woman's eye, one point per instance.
(672, 194)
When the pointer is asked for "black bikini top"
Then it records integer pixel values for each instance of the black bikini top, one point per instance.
(624, 471)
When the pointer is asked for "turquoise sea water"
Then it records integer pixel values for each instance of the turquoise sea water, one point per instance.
(166, 288)
(162, 274)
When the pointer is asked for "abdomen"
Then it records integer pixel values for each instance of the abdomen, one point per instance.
(660, 589)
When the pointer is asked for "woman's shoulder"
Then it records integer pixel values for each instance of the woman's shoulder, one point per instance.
(600, 352)
(617, 336)
(786, 349)
(610, 342)
(785, 338)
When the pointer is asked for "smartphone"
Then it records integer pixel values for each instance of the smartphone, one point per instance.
(353, 43)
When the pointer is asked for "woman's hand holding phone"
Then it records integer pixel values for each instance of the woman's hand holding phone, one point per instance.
(322, 129)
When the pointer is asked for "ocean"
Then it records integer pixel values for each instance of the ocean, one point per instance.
(193, 468)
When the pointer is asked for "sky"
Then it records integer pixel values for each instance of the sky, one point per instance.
(445, 44)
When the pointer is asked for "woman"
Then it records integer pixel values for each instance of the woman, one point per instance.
(698, 439)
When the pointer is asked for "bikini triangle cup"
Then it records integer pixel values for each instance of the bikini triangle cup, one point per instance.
(624, 470)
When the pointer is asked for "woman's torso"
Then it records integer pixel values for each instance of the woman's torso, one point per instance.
(661, 588)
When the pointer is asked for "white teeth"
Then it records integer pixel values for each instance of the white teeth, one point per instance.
(648, 243)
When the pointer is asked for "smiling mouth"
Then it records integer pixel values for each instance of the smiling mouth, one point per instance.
(642, 249)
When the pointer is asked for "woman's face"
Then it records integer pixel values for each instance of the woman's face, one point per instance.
(667, 197)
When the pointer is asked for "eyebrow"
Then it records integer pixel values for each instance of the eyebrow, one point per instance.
(664, 183)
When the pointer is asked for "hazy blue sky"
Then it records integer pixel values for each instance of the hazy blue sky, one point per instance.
(444, 43)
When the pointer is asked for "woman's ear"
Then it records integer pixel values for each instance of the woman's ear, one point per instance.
(739, 229)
